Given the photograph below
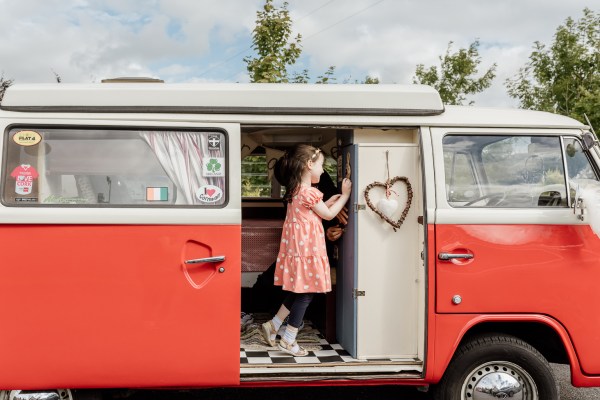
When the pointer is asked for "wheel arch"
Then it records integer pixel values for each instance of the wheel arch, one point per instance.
(553, 342)
(541, 336)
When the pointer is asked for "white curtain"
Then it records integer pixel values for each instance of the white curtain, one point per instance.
(181, 154)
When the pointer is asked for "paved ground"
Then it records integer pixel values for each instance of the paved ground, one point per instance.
(567, 392)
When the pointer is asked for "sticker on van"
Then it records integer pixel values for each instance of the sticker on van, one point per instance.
(213, 167)
(157, 194)
(24, 176)
(27, 138)
(214, 142)
(209, 194)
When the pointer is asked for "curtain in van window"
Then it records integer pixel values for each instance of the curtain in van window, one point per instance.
(181, 155)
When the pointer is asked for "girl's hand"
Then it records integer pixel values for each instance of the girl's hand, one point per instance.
(346, 186)
(332, 200)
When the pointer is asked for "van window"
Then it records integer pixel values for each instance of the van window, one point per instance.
(96, 167)
(504, 171)
(256, 180)
(460, 180)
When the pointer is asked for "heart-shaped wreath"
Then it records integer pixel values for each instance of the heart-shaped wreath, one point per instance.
(387, 187)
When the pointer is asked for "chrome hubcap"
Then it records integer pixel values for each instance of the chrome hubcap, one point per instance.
(499, 380)
(54, 394)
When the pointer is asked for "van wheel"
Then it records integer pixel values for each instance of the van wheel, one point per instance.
(497, 366)
(51, 394)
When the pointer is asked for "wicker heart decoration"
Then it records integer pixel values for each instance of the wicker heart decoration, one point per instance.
(382, 206)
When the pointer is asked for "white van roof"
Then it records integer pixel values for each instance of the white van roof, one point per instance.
(254, 98)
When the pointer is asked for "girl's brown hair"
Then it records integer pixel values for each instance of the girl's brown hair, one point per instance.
(289, 168)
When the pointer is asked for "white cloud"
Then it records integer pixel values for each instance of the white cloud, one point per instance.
(202, 40)
(83, 39)
(394, 36)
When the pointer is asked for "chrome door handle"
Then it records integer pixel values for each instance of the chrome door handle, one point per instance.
(449, 256)
(215, 259)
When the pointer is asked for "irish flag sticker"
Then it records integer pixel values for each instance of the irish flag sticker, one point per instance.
(209, 194)
(157, 194)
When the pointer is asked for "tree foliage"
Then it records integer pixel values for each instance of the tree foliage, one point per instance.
(4, 84)
(276, 50)
(564, 78)
(271, 41)
(371, 80)
(456, 75)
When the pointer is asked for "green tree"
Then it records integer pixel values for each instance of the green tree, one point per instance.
(4, 84)
(276, 50)
(564, 78)
(271, 41)
(369, 80)
(456, 75)
(328, 76)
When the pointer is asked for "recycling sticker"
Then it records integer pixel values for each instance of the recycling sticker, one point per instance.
(213, 167)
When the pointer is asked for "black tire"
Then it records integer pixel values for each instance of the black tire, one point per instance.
(489, 354)
(87, 394)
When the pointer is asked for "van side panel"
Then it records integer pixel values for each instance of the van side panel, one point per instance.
(116, 306)
(525, 268)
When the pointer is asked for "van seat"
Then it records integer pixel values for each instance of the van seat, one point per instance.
(260, 243)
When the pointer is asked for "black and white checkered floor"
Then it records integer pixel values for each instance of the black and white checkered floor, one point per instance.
(329, 353)
(255, 352)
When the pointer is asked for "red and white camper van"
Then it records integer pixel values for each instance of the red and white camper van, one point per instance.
(136, 217)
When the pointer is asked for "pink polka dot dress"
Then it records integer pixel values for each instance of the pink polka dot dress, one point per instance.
(302, 264)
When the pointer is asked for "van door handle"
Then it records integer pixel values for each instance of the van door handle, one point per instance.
(449, 256)
(214, 259)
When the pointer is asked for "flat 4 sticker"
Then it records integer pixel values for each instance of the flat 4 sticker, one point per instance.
(24, 176)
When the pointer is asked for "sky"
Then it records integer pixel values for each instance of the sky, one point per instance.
(180, 41)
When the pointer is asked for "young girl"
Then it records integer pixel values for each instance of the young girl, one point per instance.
(302, 266)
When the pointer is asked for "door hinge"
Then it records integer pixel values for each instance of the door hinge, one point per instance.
(358, 207)
(358, 293)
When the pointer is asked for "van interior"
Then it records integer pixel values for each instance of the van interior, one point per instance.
(372, 323)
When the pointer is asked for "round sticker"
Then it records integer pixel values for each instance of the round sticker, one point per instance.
(209, 194)
(27, 138)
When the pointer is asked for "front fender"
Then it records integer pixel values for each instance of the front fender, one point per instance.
(450, 329)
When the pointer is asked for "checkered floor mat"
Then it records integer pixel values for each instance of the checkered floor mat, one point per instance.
(329, 354)
(254, 351)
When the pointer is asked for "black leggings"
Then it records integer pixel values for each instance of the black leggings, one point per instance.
(297, 303)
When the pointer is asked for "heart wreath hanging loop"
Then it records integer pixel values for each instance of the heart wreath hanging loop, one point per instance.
(386, 206)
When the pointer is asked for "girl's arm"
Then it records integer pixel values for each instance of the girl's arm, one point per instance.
(328, 213)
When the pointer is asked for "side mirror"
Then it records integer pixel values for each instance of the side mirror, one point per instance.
(589, 140)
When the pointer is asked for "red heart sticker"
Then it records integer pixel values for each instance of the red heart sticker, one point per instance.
(210, 192)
